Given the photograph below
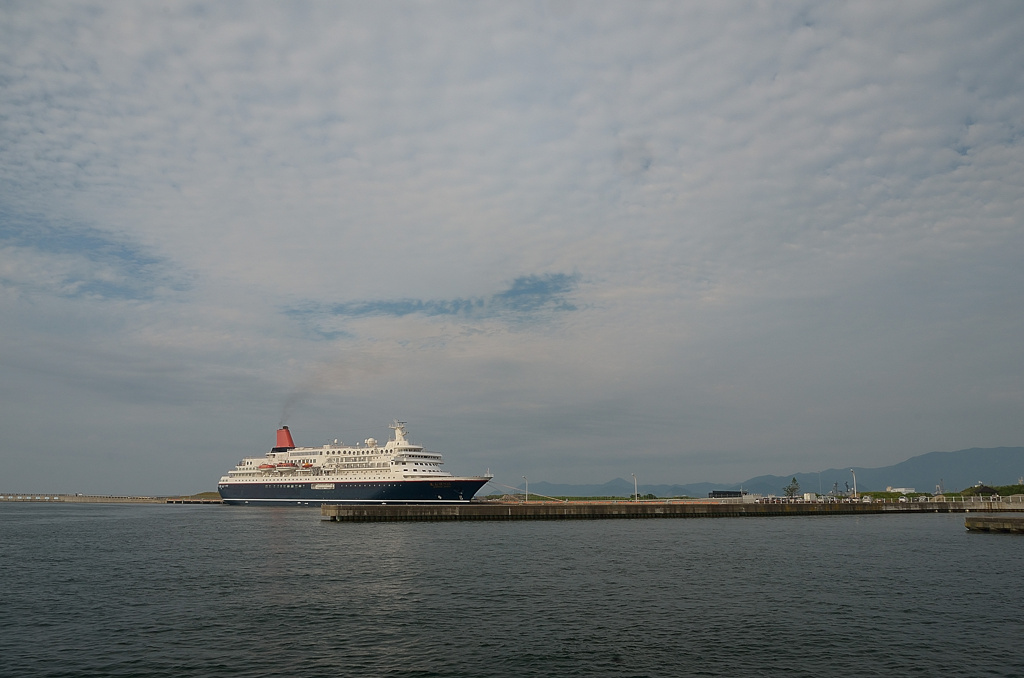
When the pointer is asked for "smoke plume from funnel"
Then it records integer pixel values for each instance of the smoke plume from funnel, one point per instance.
(326, 377)
(293, 399)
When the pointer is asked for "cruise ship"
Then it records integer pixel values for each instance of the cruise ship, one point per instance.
(397, 472)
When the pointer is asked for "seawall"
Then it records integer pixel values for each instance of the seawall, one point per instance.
(99, 499)
(995, 524)
(362, 513)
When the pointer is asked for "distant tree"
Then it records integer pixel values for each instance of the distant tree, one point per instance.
(792, 489)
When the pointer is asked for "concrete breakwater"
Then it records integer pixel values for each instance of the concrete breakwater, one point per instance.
(995, 524)
(362, 513)
(78, 498)
(101, 499)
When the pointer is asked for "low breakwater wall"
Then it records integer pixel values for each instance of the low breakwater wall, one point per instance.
(77, 498)
(608, 510)
(99, 499)
(995, 524)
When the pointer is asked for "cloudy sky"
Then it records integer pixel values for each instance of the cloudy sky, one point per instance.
(572, 241)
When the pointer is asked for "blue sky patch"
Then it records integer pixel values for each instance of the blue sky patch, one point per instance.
(525, 297)
(110, 267)
(535, 292)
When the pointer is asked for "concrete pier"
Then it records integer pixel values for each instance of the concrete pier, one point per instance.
(585, 510)
(995, 524)
(77, 498)
(102, 499)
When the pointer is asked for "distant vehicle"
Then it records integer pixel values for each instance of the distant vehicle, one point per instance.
(903, 500)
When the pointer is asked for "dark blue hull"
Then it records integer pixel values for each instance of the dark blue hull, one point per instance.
(310, 492)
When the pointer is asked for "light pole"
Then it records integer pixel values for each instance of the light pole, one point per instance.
(854, 483)
(527, 489)
(636, 495)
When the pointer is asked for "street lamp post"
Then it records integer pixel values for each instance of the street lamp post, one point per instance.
(636, 495)
(527, 489)
(854, 483)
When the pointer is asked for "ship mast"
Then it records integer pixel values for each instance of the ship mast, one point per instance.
(399, 428)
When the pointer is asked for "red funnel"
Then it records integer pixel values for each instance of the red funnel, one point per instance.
(284, 439)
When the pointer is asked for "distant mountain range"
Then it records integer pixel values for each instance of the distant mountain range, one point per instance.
(953, 470)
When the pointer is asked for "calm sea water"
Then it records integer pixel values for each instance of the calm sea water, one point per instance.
(117, 590)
